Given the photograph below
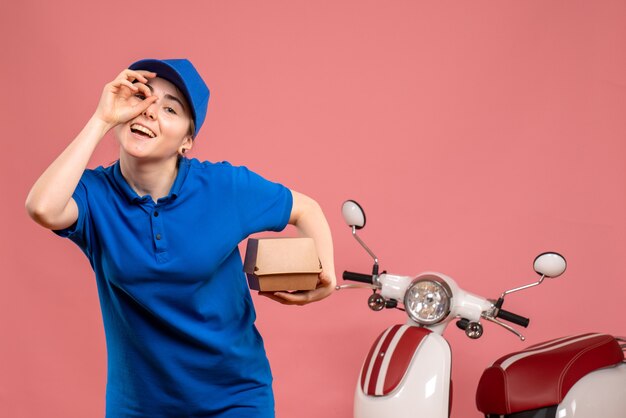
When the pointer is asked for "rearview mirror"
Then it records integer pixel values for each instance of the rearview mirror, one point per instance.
(353, 214)
(550, 264)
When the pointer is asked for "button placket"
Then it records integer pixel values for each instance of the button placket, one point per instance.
(158, 232)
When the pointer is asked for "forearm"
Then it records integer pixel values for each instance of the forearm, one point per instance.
(308, 218)
(52, 191)
(312, 223)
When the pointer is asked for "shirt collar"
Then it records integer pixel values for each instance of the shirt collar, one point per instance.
(133, 197)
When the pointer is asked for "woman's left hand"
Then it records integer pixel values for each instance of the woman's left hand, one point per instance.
(325, 286)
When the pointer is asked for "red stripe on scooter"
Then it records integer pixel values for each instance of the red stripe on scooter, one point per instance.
(557, 341)
(366, 365)
(542, 346)
(402, 356)
(378, 360)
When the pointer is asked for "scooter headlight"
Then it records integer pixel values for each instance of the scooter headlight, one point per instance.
(427, 300)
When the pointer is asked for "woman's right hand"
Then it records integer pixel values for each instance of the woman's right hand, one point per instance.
(119, 104)
(50, 201)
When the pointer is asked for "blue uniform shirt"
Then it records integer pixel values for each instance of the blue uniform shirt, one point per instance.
(177, 312)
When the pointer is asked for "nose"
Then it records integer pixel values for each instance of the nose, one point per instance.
(150, 113)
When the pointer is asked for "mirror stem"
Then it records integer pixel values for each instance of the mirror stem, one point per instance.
(364, 246)
(523, 287)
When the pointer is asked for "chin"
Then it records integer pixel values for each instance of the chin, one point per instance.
(133, 146)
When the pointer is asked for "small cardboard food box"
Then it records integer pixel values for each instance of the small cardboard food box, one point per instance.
(275, 264)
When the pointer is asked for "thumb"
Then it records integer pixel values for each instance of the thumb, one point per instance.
(325, 279)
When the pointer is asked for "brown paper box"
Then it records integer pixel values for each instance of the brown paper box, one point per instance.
(275, 264)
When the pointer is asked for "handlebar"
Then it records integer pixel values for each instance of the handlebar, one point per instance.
(358, 277)
(511, 317)
(503, 314)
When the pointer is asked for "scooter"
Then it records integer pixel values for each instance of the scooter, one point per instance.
(406, 373)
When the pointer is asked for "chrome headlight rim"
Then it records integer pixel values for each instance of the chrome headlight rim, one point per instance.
(443, 285)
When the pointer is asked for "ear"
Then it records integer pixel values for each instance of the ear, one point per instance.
(186, 146)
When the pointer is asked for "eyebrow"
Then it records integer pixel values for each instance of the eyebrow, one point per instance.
(169, 96)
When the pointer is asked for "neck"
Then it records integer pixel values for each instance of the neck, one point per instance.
(154, 178)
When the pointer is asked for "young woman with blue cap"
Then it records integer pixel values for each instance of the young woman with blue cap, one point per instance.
(161, 232)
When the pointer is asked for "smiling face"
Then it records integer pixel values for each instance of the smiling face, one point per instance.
(163, 129)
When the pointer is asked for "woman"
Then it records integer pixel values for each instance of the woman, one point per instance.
(161, 233)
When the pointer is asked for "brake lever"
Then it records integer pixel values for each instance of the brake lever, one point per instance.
(505, 326)
(357, 286)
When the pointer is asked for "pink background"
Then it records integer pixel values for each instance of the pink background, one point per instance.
(475, 134)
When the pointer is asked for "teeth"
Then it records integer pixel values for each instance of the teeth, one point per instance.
(143, 129)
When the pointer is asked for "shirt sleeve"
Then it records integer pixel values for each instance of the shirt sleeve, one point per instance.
(262, 204)
(80, 231)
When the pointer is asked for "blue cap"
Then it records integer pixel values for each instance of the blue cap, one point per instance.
(183, 75)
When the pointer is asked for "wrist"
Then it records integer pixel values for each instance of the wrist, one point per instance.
(99, 125)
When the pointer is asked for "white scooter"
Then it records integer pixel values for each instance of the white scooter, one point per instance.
(407, 371)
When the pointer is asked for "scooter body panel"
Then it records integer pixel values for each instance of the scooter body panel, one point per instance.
(423, 392)
(601, 393)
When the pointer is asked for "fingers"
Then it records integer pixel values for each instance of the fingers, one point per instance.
(298, 298)
(144, 104)
(270, 295)
(117, 104)
(149, 74)
(133, 80)
(325, 287)
(139, 75)
(127, 84)
(143, 88)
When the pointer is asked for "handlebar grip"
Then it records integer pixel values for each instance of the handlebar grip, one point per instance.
(511, 317)
(462, 323)
(357, 277)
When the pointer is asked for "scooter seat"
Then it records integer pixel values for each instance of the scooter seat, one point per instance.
(541, 375)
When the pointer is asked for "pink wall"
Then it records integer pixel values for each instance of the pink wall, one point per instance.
(475, 134)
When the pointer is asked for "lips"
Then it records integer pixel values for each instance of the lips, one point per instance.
(142, 130)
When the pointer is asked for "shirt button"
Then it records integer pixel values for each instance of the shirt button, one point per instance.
(158, 236)
(156, 213)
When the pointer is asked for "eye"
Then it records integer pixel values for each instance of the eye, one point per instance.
(170, 110)
(140, 96)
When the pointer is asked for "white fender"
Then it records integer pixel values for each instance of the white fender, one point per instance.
(601, 393)
(424, 390)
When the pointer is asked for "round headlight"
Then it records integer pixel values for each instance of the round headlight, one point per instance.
(427, 300)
